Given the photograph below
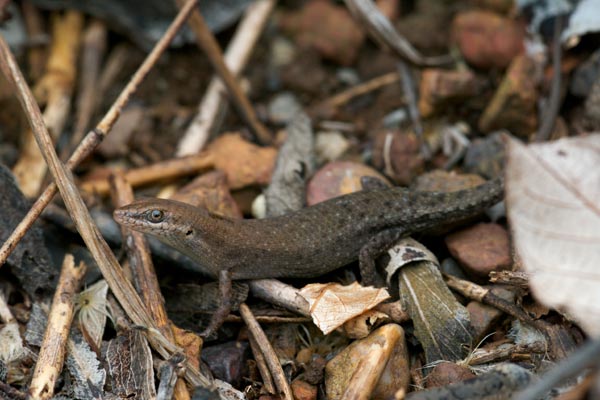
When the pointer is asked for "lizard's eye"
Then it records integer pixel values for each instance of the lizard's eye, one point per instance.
(156, 216)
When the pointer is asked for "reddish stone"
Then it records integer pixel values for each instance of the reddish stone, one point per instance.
(328, 28)
(303, 390)
(338, 178)
(486, 39)
(481, 249)
(446, 373)
(440, 88)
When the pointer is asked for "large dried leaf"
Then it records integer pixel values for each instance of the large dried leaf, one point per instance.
(442, 324)
(553, 201)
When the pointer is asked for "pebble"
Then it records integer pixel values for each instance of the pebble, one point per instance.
(227, 361)
(446, 373)
(484, 317)
(283, 108)
(338, 178)
(486, 39)
(481, 249)
(383, 351)
(303, 390)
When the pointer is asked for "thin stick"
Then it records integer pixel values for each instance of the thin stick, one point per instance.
(549, 114)
(163, 170)
(236, 57)
(358, 90)
(261, 364)
(209, 45)
(95, 136)
(270, 357)
(52, 353)
(102, 254)
(94, 47)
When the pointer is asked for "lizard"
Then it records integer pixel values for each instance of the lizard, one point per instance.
(306, 243)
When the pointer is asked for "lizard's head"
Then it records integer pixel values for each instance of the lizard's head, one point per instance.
(168, 220)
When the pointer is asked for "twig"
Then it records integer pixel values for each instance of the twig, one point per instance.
(236, 57)
(280, 294)
(95, 136)
(163, 170)
(410, 95)
(102, 254)
(483, 295)
(261, 364)
(52, 352)
(34, 24)
(94, 46)
(209, 45)
(270, 357)
(586, 356)
(344, 97)
(549, 116)
(54, 89)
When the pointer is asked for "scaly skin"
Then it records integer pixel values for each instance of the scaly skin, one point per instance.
(308, 242)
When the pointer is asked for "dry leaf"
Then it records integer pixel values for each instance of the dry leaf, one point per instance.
(441, 323)
(552, 194)
(243, 162)
(333, 304)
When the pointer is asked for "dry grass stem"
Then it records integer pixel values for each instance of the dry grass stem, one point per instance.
(271, 358)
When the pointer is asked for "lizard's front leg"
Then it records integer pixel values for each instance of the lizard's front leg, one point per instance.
(224, 308)
(373, 249)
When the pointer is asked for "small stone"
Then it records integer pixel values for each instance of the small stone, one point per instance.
(303, 390)
(283, 108)
(486, 156)
(446, 373)
(486, 39)
(484, 317)
(514, 104)
(481, 249)
(227, 361)
(326, 27)
(440, 88)
(383, 352)
(330, 145)
(338, 178)
(398, 154)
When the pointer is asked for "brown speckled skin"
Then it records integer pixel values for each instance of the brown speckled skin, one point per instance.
(306, 243)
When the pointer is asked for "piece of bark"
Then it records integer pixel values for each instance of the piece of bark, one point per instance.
(129, 362)
(295, 164)
(29, 262)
